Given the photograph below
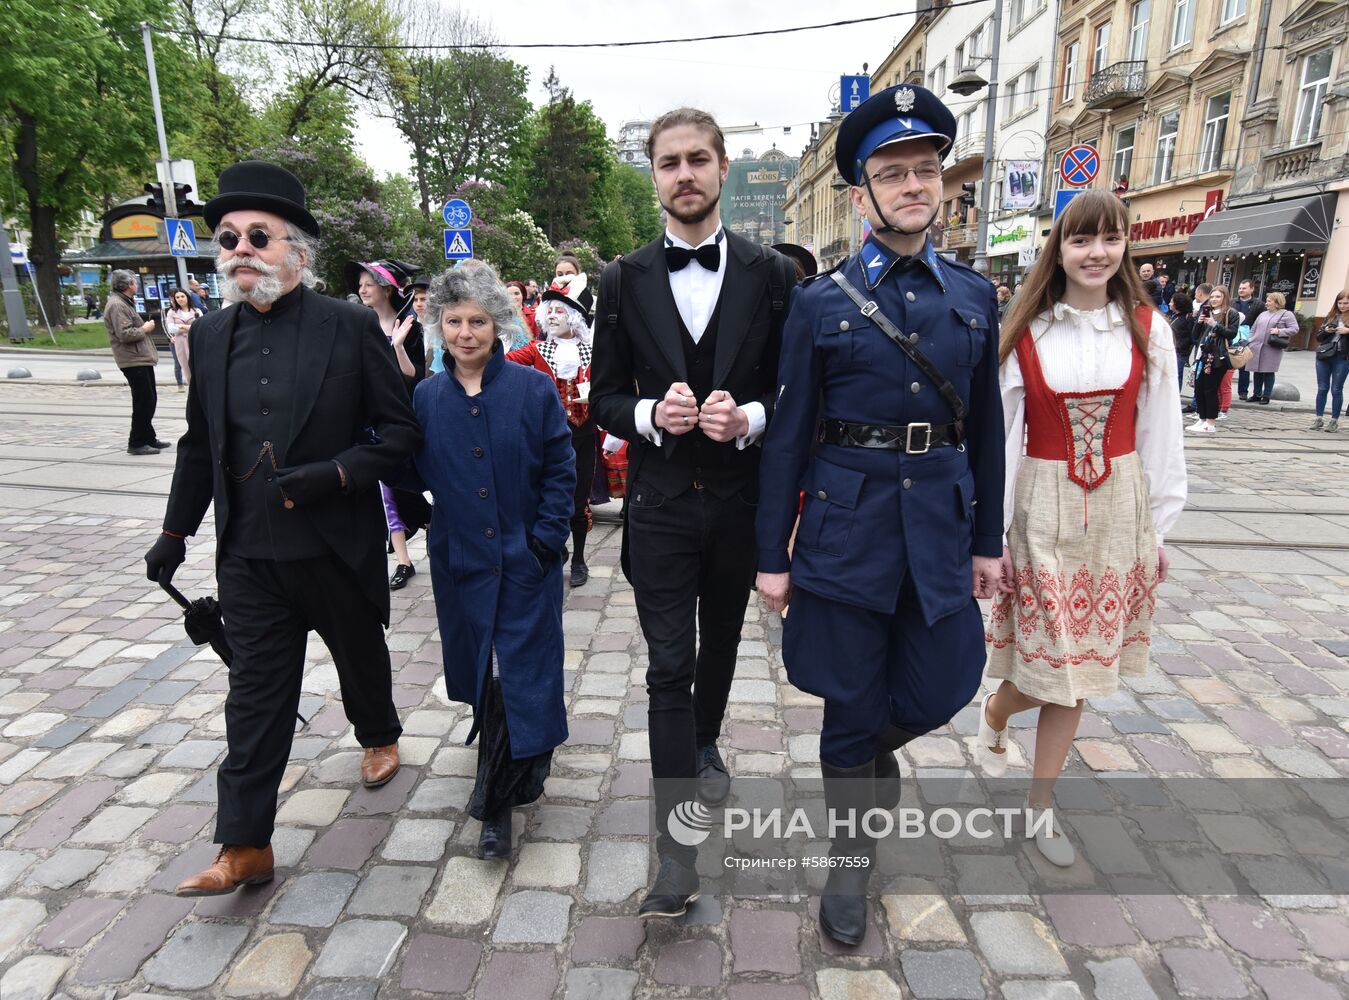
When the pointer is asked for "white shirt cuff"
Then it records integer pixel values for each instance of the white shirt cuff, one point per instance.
(644, 415)
(758, 421)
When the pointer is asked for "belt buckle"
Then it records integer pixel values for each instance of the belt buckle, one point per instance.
(908, 439)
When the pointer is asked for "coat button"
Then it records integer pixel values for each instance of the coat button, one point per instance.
(911, 297)
(913, 338)
(844, 325)
(482, 492)
(908, 484)
(266, 412)
(822, 494)
(264, 381)
(266, 350)
(490, 533)
(915, 388)
(477, 453)
(974, 322)
(475, 411)
(266, 444)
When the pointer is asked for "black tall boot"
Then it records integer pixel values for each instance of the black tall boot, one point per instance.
(887, 765)
(580, 572)
(849, 794)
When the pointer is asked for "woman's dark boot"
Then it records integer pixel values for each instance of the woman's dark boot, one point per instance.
(495, 840)
(849, 794)
(580, 572)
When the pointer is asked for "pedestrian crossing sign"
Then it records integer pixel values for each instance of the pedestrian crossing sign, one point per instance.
(182, 238)
(458, 244)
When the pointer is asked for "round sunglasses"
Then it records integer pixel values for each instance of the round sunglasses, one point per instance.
(259, 238)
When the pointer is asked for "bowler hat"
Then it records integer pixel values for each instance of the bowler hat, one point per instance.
(803, 257)
(264, 186)
(895, 114)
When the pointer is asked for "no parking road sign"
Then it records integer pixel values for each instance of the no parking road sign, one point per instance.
(1080, 165)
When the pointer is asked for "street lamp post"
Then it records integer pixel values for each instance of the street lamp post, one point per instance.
(968, 83)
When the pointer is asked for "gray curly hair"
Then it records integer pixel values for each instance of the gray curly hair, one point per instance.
(472, 281)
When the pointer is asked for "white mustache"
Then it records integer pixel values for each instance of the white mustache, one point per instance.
(228, 267)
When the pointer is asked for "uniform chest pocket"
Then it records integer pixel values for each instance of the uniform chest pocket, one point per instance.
(848, 339)
(973, 336)
(831, 507)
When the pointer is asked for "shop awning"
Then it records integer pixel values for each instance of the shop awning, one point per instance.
(1277, 227)
(141, 251)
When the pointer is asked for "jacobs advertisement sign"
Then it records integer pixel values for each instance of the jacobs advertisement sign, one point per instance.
(754, 196)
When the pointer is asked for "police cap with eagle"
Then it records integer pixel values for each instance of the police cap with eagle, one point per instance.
(895, 114)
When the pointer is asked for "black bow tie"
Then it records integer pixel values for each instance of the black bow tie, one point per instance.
(677, 258)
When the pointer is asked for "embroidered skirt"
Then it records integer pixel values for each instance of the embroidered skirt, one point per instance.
(1086, 582)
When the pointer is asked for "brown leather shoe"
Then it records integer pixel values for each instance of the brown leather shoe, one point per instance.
(234, 866)
(379, 765)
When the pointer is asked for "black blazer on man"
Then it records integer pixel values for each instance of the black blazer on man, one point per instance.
(648, 350)
(346, 384)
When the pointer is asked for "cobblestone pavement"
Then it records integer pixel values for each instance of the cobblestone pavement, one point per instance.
(111, 726)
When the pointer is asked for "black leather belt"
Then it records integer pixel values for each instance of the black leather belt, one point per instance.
(912, 439)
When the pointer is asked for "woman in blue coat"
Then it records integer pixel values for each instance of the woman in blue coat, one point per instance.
(498, 460)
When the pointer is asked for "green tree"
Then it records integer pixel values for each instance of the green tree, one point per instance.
(74, 109)
(569, 162)
(638, 195)
(504, 236)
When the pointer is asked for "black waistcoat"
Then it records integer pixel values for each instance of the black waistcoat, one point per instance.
(719, 467)
(259, 407)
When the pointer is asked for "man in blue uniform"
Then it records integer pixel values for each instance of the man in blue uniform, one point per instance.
(889, 419)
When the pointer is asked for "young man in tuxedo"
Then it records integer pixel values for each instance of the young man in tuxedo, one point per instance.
(688, 330)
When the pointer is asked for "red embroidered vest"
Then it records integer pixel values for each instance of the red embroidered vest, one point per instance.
(1084, 429)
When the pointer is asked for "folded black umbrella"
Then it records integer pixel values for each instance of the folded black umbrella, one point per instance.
(204, 623)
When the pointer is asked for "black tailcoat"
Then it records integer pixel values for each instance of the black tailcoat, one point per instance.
(346, 384)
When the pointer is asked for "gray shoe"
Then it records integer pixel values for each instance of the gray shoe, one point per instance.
(1316, 424)
(1332, 426)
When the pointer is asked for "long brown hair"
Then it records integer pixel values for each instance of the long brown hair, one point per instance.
(1343, 317)
(1091, 213)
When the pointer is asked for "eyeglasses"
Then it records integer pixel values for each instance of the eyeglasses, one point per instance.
(892, 176)
(259, 238)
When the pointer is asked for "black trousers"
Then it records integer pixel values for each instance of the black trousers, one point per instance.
(269, 608)
(1206, 388)
(144, 399)
(692, 560)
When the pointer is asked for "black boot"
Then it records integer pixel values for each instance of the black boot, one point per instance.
(849, 794)
(495, 840)
(580, 572)
(887, 766)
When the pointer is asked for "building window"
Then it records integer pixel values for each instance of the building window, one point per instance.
(959, 61)
(1232, 9)
(1138, 29)
(1009, 101)
(1215, 132)
(1021, 92)
(1182, 23)
(1100, 56)
(1124, 154)
(1069, 72)
(936, 80)
(1018, 12)
(1311, 98)
(1168, 125)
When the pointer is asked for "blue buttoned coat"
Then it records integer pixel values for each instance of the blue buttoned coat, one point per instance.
(872, 517)
(501, 468)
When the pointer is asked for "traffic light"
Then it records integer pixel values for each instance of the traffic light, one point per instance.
(156, 192)
(967, 198)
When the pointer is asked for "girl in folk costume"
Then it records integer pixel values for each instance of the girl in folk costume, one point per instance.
(564, 356)
(1088, 380)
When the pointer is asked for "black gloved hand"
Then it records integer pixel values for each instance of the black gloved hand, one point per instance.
(544, 554)
(309, 483)
(165, 556)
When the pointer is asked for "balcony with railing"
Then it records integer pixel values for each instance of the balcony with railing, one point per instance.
(968, 147)
(1119, 83)
(1291, 164)
(960, 237)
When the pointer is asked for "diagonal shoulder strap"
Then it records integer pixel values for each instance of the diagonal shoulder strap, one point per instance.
(873, 313)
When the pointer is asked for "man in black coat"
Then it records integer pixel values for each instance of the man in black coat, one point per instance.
(295, 412)
(688, 330)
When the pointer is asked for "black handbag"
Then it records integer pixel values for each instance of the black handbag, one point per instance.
(1278, 341)
(1329, 349)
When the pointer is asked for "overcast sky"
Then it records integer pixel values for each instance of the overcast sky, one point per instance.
(780, 80)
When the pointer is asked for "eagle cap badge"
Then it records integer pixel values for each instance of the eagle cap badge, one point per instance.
(904, 100)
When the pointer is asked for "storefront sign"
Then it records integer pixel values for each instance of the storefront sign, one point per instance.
(1011, 236)
(1176, 225)
(764, 177)
(1311, 277)
(136, 227)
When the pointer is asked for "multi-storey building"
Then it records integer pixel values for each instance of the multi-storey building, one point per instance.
(631, 146)
(1161, 90)
(1291, 179)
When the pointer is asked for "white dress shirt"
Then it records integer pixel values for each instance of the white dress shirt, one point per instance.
(696, 291)
(1090, 350)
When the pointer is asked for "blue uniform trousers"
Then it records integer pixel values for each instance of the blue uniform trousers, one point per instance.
(891, 669)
